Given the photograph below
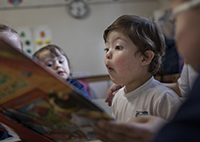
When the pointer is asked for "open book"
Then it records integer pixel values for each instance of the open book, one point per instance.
(44, 106)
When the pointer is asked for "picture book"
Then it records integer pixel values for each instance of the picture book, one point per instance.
(40, 101)
(24, 133)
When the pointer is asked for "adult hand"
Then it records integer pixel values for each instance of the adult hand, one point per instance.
(140, 129)
(111, 93)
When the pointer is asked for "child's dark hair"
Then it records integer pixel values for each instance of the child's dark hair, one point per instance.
(52, 48)
(145, 34)
(4, 28)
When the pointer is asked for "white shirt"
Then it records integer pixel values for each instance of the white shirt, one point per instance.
(152, 98)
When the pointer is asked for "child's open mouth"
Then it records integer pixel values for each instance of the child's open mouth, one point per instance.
(109, 68)
(61, 72)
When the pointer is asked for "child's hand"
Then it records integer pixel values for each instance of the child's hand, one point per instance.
(111, 93)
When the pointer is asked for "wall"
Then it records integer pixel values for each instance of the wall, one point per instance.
(164, 4)
(81, 39)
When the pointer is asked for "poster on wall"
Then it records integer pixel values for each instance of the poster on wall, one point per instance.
(42, 36)
(25, 34)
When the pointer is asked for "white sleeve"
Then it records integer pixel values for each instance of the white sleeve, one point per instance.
(183, 81)
(168, 105)
(186, 80)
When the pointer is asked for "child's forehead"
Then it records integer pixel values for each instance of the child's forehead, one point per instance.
(117, 35)
(9, 34)
(6, 33)
(52, 52)
(12, 38)
(49, 53)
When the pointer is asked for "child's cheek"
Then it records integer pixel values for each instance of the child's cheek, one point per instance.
(50, 70)
(120, 62)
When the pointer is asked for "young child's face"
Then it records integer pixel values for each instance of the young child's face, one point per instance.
(123, 65)
(57, 64)
(12, 39)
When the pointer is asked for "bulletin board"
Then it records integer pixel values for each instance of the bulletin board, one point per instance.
(34, 38)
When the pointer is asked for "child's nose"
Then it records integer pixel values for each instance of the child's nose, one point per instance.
(57, 65)
(108, 55)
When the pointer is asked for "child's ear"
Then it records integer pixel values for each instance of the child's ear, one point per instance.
(149, 55)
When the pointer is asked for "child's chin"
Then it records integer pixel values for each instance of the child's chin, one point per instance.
(63, 77)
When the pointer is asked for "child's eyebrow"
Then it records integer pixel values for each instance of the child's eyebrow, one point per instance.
(61, 57)
(47, 61)
(119, 38)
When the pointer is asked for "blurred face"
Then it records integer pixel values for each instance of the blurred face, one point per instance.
(123, 65)
(58, 65)
(188, 33)
(12, 39)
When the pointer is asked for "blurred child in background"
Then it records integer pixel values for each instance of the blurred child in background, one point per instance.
(57, 61)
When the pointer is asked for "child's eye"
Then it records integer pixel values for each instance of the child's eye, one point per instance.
(106, 50)
(49, 65)
(118, 47)
(61, 61)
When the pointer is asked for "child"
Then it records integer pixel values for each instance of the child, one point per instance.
(56, 60)
(134, 47)
(10, 36)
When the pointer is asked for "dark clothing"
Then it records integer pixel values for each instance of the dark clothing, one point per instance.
(185, 127)
(80, 87)
(171, 58)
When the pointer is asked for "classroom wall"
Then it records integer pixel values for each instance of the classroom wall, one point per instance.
(81, 39)
(164, 4)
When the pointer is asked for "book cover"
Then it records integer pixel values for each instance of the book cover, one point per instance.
(42, 101)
